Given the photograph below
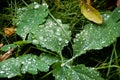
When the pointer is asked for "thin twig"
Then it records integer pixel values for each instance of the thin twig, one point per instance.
(6, 55)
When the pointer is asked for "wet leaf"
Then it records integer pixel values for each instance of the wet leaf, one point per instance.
(91, 13)
(51, 35)
(8, 47)
(47, 61)
(98, 36)
(9, 68)
(78, 72)
(28, 18)
(26, 63)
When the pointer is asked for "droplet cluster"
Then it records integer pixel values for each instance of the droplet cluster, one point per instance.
(29, 17)
(51, 35)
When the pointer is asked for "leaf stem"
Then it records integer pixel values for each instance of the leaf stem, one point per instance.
(46, 75)
(110, 66)
(69, 60)
(111, 58)
(25, 3)
(5, 38)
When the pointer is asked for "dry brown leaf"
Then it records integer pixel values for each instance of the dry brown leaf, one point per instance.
(118, 3)
(9, 31)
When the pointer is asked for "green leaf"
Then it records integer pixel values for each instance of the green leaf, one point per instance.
(98, 36)
(78, 72)
(29, 63)
(28, 18)
(51, 35)
(46, 60)
(26, 63)
(9, 68)
(7, 47)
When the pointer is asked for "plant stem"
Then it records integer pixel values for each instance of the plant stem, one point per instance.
(5, 39)
(104, 67)
(46, 75)
(111, 58)
(69, 60)
(25, 3)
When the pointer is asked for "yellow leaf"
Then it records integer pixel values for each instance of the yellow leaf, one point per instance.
(91, 13)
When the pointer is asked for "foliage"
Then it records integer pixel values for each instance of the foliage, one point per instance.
(26, 63)
(37, 26)
(98, 36)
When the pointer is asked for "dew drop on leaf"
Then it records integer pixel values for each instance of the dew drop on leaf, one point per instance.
(59, 43)
(119, 11)
(1, 72)
(57, 33)
(41, 38)
(35, 42)
(66, 41)
(45, 40)
(60, 39)
(36, 5)
(44, 4)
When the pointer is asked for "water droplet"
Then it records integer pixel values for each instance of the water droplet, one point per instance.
(88, 9)
(103, 42)
(76, 40)
(26, 29)
(59, 21)
(77, 35)
(23, 62)
(7, 73)
(35, 42)
(1, 72)
(60, 39)
(43, 43)
(41, 38)
(36, 6)
(29, 62)
(58, 29)
(45, 40)
(118, 10)
(73, 73)
(92, 76)
(44, 4)
(59, 43)
(66, 41)
(41, 26)
(57, 33)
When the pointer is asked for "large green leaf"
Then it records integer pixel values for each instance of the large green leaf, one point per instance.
(79, 72)
(51, 35)
(98, 36)
(26, 63)
(28, 18)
